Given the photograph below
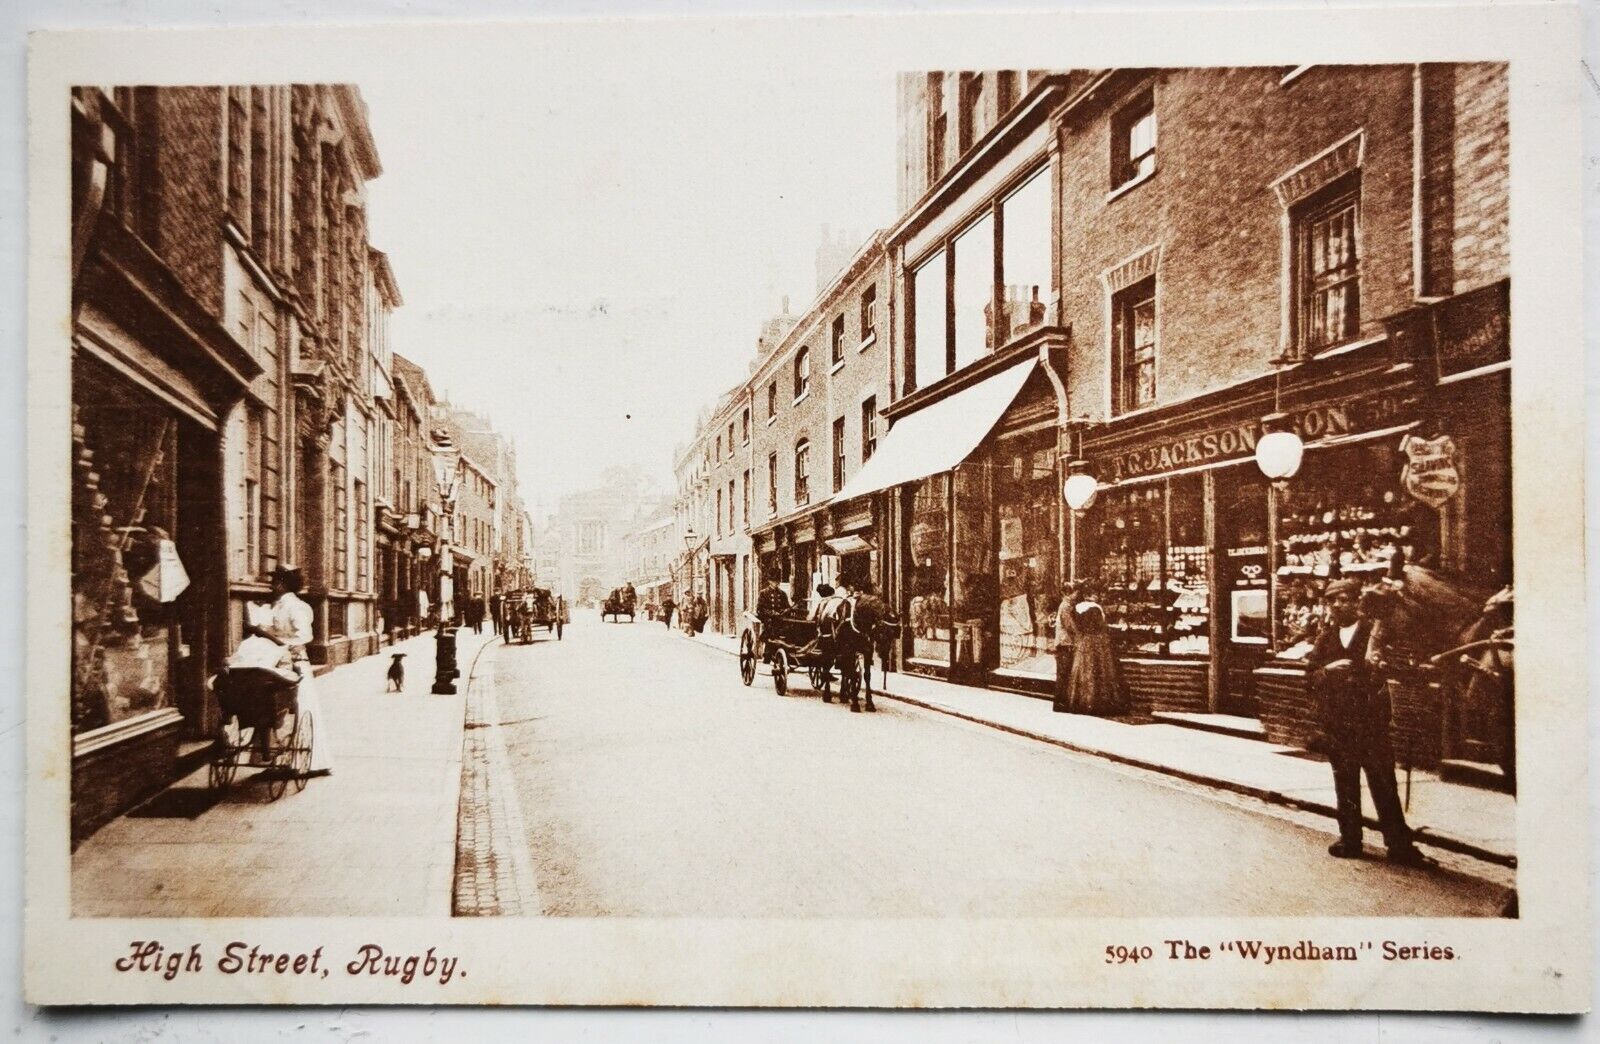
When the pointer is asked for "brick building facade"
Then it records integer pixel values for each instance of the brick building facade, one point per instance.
(226, 302)
(1134, 274)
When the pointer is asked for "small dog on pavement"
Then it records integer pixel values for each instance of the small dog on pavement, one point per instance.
(397, 672)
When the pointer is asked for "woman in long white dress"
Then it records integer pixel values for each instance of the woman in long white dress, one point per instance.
(291, 627)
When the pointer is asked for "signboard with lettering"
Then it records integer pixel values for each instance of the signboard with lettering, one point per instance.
(1238, 440)
(1430, 473)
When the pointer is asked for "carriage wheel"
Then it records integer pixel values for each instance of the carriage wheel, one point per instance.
(821, 677)
(747, 658)
(302, 754)
(780, 672)
(850, 682)
(280, 755)
(225, 764)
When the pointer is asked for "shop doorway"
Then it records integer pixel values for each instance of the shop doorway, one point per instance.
(1243, 605)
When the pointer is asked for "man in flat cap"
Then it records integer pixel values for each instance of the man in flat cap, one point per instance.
(1355, 719)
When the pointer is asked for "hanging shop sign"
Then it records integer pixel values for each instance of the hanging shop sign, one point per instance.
(1474, 330)
(1430, 473)
(1238, 439)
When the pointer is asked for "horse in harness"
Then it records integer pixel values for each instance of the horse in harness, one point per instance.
(855, 630)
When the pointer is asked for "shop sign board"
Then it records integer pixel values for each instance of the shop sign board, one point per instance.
(1238, 439)
(1430, 473)
(1474, 330)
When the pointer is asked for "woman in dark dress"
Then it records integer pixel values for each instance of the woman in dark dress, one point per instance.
(1093, 688)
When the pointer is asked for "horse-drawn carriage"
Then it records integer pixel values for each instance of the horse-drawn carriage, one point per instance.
(838, 640)
(535, 607)
(619, 603)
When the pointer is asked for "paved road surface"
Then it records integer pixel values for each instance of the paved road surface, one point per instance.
(653, 784)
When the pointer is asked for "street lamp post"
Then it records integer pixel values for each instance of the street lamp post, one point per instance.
(691, 540)
(445, 460)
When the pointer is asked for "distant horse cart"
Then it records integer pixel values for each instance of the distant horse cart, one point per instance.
(620, 602)
(840, 642)
(534, 607)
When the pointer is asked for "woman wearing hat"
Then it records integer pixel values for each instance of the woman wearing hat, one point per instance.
(290, 625)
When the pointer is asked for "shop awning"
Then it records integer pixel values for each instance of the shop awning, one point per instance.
(848, 544)
(940, 436)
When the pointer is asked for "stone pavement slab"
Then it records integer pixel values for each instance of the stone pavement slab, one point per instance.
(376, 838)
(1469, 820)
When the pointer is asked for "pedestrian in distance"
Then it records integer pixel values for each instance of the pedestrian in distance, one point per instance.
(497, 613)
(667, 607)
(1345, 675)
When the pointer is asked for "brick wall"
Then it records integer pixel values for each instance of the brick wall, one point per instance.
(864, 372)
(1482, 175)
(1224, 137)
(189, 203)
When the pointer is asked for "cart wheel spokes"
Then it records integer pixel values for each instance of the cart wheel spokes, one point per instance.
(780, 671)
(279, 758)
(225, 763)
(747, 658)
(302, 754)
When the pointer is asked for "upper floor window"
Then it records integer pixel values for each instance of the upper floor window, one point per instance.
(772, 399)
(836, 340)
(730, 438)
(1133, 141)
(745, 508)
(772, 483)
(869, 313)
(1328, 265)
(972, 296)
(869, 428)
(802, 473)
(802, 373)
(968, 298)
(716, 448)
(744, 426)
(938, 126)
(838, 454)
(1133, 337)
(928, 349)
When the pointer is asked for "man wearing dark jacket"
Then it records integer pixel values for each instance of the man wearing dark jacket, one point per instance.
(1354, 704)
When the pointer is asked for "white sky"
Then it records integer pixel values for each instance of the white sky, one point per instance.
(573, 251)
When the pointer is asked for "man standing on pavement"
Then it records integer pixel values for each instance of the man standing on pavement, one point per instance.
(667, 606)
(497, 612)
(1354, 704)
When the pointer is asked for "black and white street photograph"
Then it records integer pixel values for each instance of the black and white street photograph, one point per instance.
(1117, 520)
(593, 491)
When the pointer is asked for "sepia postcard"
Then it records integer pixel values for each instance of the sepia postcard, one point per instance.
(986, 510)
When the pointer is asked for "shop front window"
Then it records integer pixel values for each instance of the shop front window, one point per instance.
(1153, 568)
(976, 594)
(1343, 515)
(928, 548)
(125, 575)
(1027, 515)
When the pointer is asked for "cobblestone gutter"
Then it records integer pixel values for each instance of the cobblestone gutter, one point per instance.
(494, 876)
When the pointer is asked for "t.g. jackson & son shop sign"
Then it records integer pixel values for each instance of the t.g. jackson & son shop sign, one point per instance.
(1237, 439)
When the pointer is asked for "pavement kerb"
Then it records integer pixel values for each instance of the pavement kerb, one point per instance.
(1421, 835)
(479, 696)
